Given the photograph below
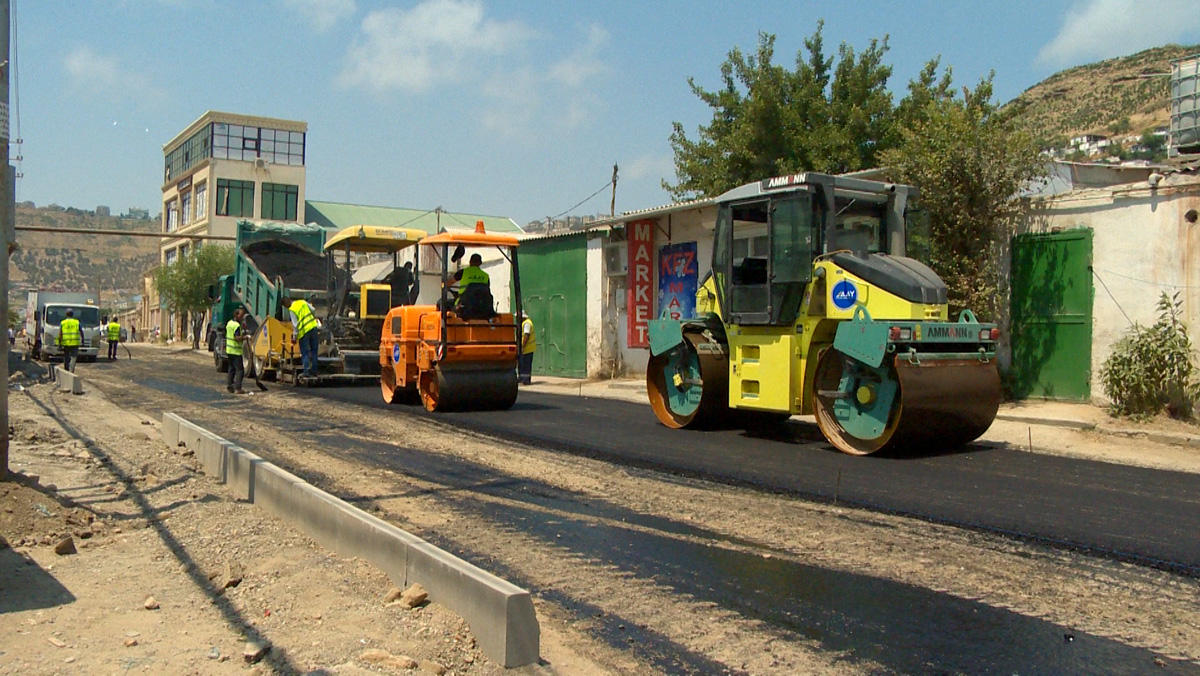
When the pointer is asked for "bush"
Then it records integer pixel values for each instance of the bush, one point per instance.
(1152, 368)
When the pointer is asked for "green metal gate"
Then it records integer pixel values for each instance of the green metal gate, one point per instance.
(554, 286)
(1052, 315)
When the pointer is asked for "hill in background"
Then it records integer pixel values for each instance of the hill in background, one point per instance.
(111, 265)
(1125, 95)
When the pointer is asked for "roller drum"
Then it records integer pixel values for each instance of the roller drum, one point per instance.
(941, 404)
(688, 386)
(469, 387)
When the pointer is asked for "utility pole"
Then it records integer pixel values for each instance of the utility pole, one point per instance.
(612, 206)
(7, 234)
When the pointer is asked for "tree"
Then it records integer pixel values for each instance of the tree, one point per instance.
(970, 162)
(183, 285)
(768, 120)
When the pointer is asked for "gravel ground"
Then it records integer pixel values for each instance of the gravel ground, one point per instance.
(165, 529)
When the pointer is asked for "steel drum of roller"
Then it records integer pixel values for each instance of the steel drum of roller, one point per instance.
(688, 386)
(937, 403)
(467, 386)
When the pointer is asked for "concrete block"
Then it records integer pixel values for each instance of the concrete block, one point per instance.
(500, 613)
(68, 381)
(241, 466)
(170, 429)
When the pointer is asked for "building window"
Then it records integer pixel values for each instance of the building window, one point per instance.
(172, 216)
(279, 201)
(183, 251)
(172, 255)
(186, 207)
(240, 142)
(201, 201)
(235, 198)
(190, 153)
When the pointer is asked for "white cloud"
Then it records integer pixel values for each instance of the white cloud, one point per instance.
(436, 42)
(1100, 29)
(103, 75)
(322, 14)
(585, 63)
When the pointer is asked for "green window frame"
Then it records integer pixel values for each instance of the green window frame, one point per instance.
(235, 198)
(279, 201)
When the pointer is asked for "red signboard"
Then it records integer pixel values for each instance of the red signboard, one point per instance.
(639, 237)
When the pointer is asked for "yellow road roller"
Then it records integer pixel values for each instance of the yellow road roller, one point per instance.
(837, 318)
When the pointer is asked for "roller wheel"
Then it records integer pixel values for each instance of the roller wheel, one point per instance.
(472, 386)
(857, 406)
(904, 405)
(428, 386)
(392, 394)
(687, 387)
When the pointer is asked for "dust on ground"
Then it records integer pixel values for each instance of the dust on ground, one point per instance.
(171, 575)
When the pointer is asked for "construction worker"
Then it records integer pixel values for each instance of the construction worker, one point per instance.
(114, 337)
(474, 299)
(528, 347)
(304, 330)
(69, 339)
(233, 350)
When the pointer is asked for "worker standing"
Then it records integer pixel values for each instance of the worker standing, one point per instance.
(114, 337)
(69, 339)
(528, 347)
(304, 330)
(233, 350)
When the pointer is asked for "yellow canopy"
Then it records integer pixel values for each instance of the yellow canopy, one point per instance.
(370, 238)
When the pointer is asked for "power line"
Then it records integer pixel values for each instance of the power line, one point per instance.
(580, 202)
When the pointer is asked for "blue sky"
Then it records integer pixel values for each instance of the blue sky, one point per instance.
(515, 108)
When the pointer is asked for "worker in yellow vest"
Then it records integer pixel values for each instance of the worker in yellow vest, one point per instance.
(304, 330)
(69, 339)
(114, 337)
(528, 347)
(233, 350)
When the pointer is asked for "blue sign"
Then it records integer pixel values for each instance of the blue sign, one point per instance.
(845, 294)
(396, 353)
(677, 278)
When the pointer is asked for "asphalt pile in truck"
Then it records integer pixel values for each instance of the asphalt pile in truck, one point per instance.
(299, 268)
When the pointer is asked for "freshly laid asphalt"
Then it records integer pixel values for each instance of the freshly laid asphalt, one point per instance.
(1143, 515)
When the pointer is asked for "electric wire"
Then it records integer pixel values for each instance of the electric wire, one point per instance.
(580, 202)
(1110, 295)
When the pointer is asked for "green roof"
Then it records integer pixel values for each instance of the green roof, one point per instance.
(338, 215)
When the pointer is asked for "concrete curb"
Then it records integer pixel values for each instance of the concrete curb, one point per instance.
(500, 613)
(1051, 422)
(66, 380)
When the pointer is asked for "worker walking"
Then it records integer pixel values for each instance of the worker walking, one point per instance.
(114, 337)
(528, 347)
(233, 350)
(69, 339)
(304, 330)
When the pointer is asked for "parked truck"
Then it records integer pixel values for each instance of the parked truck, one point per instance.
(45, 310)
(270, 259)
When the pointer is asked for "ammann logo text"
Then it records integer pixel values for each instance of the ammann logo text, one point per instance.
(933, 332)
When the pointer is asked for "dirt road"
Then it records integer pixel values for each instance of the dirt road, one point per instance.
(525, 513)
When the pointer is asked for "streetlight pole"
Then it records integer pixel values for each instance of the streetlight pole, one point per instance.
(7, 222)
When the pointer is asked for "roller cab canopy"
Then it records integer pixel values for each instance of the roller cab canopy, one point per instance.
(476, 238)
(374, 238)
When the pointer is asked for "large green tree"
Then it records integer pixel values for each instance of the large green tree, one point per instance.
(971, 162)
(183, 285)
(768, 120)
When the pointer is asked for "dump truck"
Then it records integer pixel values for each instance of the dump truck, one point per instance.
(270, 259)
(835, 321)
(45, 310)
(460, 353)
(351, 314)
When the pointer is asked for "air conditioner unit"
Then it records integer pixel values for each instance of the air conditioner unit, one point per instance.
(260, 163)
(616, 259)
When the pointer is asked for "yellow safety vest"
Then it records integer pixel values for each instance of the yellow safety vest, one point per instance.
(114, 331)
(473, 275)
(304, 318)
(233, 345)
(530, 346)
(68, 333)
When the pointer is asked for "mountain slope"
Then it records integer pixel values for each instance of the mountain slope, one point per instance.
(1125, 95)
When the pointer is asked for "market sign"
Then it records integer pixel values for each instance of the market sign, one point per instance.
(639, 239)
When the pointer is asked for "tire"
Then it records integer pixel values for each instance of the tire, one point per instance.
(220, 363)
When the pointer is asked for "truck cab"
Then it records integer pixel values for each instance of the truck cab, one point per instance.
(46, 344)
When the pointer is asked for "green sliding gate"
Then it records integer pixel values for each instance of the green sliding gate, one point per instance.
(1052, 315)
(554, 286)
